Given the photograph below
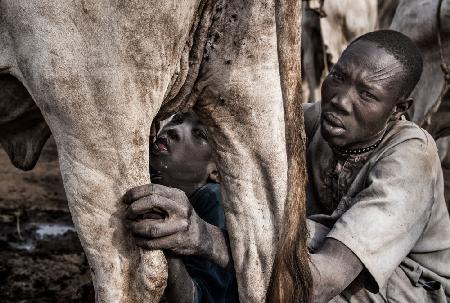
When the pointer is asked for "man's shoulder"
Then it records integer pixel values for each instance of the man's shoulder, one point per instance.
(406, 133)
(311, 118)
(412, 148)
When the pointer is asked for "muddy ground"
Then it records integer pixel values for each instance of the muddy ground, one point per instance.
(41, 259)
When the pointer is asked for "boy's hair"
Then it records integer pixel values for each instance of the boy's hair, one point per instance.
(404, 50)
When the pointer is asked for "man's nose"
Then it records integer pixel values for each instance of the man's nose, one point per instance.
(342, 102)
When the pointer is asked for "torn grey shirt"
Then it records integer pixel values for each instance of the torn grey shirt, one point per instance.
(388, 207)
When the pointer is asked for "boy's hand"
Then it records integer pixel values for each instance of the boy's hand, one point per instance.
(161, 217)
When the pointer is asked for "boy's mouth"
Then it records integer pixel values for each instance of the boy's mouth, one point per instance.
(161, 145)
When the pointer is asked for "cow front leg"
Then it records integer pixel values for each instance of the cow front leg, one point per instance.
(99, 162)
(99, 70)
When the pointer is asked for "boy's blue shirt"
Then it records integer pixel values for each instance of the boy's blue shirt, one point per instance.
(213, 284)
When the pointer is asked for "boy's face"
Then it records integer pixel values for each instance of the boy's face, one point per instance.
(181, 152)
(359, 95)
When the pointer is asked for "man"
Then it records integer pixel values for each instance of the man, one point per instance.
(184, 216)
(375, 183)
(380, 230)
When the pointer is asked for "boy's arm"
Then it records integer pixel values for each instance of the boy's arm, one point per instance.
(180, 286)
(215, 246)
(181, 232)
(333, 268)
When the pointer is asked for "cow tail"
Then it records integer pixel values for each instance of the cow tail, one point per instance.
(291, 279)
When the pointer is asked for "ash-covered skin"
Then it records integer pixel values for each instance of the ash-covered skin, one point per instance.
(161, 216)
(361, 94)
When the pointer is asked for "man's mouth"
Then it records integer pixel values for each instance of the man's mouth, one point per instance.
(332, 124)
(333, 119)
(160, 145)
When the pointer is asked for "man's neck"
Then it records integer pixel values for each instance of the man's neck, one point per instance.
(372, 140)
(360, 147)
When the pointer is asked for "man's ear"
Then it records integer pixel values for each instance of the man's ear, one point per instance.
(213, 173)
(400, 109)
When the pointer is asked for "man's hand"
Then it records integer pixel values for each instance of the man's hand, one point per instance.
(161, 217)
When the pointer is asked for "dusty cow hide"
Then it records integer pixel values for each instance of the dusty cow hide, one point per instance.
(100, 71)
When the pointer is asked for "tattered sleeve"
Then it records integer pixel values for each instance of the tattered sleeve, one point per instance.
(386, 219)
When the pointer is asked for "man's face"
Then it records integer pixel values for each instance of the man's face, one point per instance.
(181, 151)
(359, 95)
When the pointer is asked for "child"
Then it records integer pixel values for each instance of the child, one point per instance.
(192, 231)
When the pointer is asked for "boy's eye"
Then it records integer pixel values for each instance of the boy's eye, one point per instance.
(177, 119)
(201, 134)
(336, 76)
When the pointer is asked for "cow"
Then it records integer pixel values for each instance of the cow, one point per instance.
(386, 12)
(95, 73)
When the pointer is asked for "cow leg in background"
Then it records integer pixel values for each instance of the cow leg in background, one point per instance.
(386, 11)
(23, 131)
(344, 21)
(99, 70)
(312, 53)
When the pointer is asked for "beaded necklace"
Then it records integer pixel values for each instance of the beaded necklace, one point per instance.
(357, 151)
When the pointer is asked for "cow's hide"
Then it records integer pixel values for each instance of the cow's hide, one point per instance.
(99, 71)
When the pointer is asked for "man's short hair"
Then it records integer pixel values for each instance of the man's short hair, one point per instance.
(404, 50)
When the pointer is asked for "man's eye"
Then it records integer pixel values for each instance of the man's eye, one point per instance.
(367, 95)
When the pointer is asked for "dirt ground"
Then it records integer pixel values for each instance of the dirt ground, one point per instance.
(41, 259)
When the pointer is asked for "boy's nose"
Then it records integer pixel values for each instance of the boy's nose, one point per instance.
(173, 134)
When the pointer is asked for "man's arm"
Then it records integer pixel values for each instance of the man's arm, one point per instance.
(333, 268)
(311, 114)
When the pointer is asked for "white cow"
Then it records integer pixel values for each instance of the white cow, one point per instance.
(99, 71)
